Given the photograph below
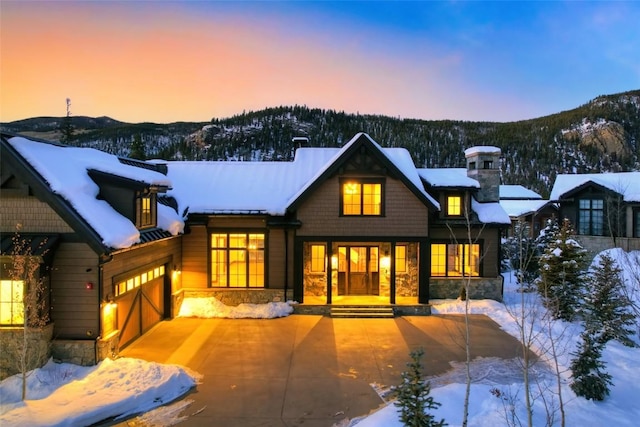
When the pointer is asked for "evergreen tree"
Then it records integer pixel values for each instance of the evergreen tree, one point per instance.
(413, 396)
(562, 272)
(590, 380)
(66, 128)
(522, 251)
(606, 310)
(137, 148)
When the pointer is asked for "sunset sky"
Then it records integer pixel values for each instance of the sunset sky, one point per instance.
(165, 61)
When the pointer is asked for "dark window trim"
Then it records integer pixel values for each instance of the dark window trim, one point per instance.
(152, 221)
(247, 231)
(361, 181)
(462, 205)
(480, 242)
(590, 210)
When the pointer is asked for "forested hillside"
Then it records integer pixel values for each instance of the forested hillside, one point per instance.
(602, 135)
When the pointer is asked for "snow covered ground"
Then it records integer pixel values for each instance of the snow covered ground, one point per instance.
(69, 395)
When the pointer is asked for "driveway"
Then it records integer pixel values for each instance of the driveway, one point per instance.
(306, 370)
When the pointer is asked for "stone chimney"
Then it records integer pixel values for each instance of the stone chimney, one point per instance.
(483, 165)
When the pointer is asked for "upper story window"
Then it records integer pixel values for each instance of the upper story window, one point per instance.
(454, 205)
(361, 198)
(591, 217)
(146, 210)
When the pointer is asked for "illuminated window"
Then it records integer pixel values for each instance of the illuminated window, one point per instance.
(317, 258)
(133, 282)
(361, 198)
(455, 260)
(401, 259)
(454, 205)
(11, 302)
(237, 260)
(146, 210)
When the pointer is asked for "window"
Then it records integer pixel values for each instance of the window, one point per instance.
(591, 217)
(361, 198)
(11, 302)
(401, 259)
(488, 164)
(455, 260)
(237, 260)
(133, 282)
(454, 205)
(146, 210)
(317, 258)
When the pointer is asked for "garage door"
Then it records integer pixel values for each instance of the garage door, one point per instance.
(140, 300)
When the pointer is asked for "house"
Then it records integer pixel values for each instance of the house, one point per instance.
(336, 226)
(526, 206)
(603, 207)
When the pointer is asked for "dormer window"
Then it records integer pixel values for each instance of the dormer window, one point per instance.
(454, 205)
(146, 210)
(361, 198)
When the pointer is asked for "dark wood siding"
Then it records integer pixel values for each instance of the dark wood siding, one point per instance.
(75, 310)
(276, 259)
(405, 214)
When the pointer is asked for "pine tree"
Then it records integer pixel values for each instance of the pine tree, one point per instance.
(137, 148)
(606, 310)
(66, 128)
(590, 380)
(561, 273)
(413, 396)
(523, 254)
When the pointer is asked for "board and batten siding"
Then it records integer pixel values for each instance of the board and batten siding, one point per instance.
(75, 308)
(276, 257)
(405, 215)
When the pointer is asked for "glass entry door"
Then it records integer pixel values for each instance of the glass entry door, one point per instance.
(358, 270)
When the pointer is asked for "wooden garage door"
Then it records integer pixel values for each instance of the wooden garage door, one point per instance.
(141, 304)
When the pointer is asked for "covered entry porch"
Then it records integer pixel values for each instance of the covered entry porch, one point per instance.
(361, 272)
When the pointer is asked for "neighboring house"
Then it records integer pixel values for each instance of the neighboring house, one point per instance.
(333, 226)
(526, 206)
(604, 208)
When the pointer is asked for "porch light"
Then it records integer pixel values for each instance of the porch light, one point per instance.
(385, 262)
(334, 262)
(109, 312)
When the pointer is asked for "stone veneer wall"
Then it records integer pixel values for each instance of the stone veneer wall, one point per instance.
(479, 288)
(86, 352)
(231, 297)
(39, 341)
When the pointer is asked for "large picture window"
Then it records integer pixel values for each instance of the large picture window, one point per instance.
(591, 217)
(361, 198)
(455, 260)
(11, 302)
(237, 260)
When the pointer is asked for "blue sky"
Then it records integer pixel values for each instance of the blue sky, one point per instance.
(194, 60)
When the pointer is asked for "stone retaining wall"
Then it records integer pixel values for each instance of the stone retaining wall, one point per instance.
(11, 342)
(479, 288)
(232, 297)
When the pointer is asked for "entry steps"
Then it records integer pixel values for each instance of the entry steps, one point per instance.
(362, 312)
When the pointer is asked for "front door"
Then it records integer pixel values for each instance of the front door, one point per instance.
(358, 273)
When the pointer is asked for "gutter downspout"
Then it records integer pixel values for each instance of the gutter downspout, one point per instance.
(286, 263)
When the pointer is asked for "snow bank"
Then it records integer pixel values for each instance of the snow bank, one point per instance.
(211, 307)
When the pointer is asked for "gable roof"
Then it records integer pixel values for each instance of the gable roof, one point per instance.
(627, 184)
(397, 161)
(62, 175)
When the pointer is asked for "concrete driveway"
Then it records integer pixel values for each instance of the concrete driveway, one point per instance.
(306, 370)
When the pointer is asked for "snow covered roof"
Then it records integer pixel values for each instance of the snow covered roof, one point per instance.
(517, 192)
(626, 184)
(448, 177)
(65, 170)
(516, 208)
(481, 149)
(266, 187)
(244, 187)
(490, 213)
